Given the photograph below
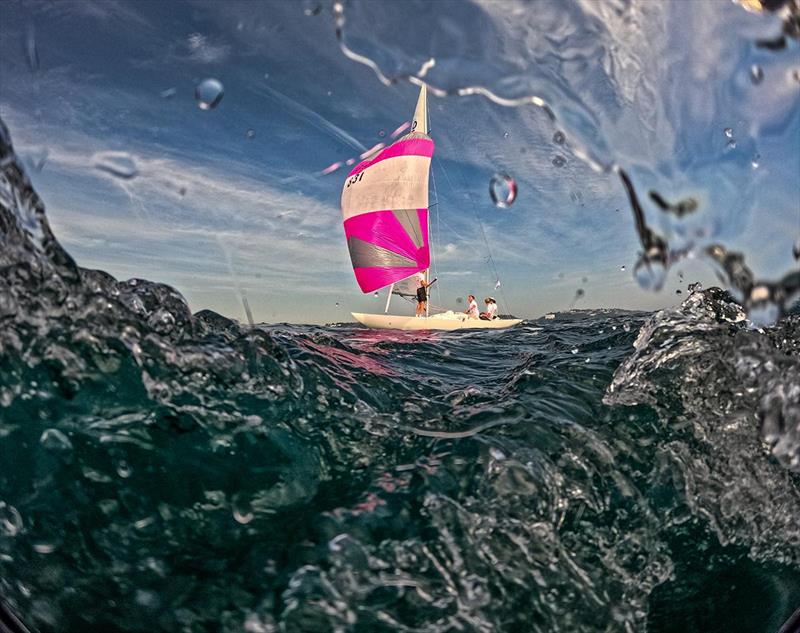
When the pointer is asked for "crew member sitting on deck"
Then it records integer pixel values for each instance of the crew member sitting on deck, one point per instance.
(422, 294)
(472, 309)
(491, 309)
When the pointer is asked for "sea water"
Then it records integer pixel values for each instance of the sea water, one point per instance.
(599, 470)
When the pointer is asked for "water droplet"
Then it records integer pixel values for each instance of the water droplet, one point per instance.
(54, 440)
(755, 161)
(242, 510)
(574, 350)
(124, 469)
(559, 160)
(756, 74)
(796, 249)
(650, 273)
(731, 144)
(250, 134)
(10, 520)
(31, 52)
(622, 268)
(505, 134)
(118, 164)
(677, 292)
(502, 190)
(381, 133)
(39, 158)
(337, 304)
(168, 93)
(209, 93)
(559, 138)
(729, 132)
(311, 7)
(375, 295)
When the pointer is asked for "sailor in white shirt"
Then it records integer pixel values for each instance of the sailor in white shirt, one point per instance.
(472, 309)
(491, 309)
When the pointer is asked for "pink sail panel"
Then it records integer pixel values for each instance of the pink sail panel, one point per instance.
(387, 246)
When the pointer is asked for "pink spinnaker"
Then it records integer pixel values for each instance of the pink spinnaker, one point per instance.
(385, 209)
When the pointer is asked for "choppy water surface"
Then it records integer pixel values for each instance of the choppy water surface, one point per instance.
(598, 471)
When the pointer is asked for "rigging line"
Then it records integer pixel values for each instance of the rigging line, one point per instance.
(437, 234)
(486, 243)
(483, 232)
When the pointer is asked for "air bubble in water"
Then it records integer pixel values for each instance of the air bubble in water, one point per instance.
(756, 74)
(731, 144)
(650, 273)
(117, 164)
(381, 133)
(559, 138)
(755, 161)
(505, 134)
(43, 547)
(242, 510)
(337, 304)
(729, 132)
(375, 295)
(559, 160)
(124, 469)
(10, 520)
(796, 249)
(250, 134)
(54, 440)
(502, 190)
(677, 292)
(574, 350)
(626, 327)
(209, 93)
(622, 268)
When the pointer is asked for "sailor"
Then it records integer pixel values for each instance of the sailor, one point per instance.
(472, 307)
(422, 294)
(491, 309)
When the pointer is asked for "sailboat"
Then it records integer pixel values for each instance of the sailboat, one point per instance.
(386, 223)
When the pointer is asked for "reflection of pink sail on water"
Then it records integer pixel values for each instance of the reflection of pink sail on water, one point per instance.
(385, 208)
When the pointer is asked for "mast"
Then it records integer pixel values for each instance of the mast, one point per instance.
(420, 124)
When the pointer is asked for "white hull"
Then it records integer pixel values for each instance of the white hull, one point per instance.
(436, 322)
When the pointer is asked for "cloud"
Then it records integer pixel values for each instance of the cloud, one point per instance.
(201, 50)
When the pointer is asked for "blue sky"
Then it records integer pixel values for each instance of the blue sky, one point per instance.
(649, 85)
